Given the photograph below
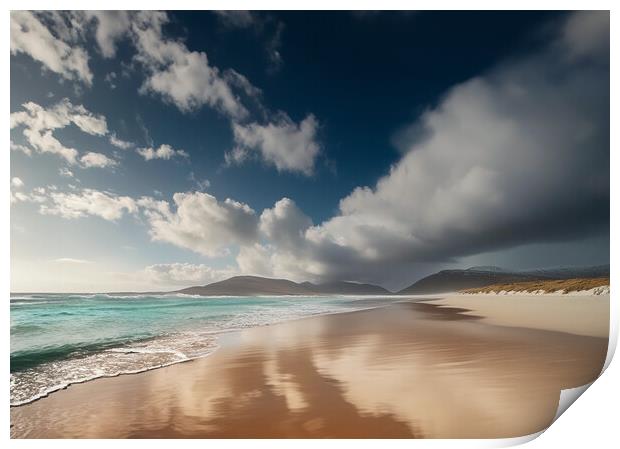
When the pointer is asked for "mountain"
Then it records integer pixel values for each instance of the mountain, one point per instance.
(597, 271)
(441, 282)
(454, 280)
(254, 285)
(247, 286)
(346, 288)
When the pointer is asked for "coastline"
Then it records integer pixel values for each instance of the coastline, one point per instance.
(180, 344)
(412, 369)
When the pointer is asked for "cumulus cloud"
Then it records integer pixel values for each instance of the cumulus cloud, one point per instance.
(183, 274)
(30, 36)
(17, 182)
(99, 160)
(86, 202)
(285, 144)
(164, 151)
(39, 123)
(186, 79)
(181, 76)
(37, 195)
(517, 155)
(200, 222)
(284, 224)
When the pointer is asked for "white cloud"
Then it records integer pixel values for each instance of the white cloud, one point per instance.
(283, 143)
(106, 205)
(184, 274)
(110, 79)
(30, 36)
(65, 172)
(119, 143)
(273, 48)
(37, 195)
(98, 160)
(38, 124)
(23, 148)
(45, 142)
(201, 184)
(264, 25)
(164, 151)
(236, 18)
(255, 260)
(284, 224)
(66, 25)
(517, 155)
(201, 223)
(586, 34)
(183, 77)
(238, 80)
(111, 27)
(17, 182)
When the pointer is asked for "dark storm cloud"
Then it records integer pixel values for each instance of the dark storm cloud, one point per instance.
(514, 156)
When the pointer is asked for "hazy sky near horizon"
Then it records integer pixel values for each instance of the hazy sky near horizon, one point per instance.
(155, 150)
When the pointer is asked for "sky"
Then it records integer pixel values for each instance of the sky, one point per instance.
(157, 150)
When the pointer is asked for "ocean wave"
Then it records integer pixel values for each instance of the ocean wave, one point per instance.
(139, 335)
(23, 399)
(24, 359)
(40, 380)
(25, 328)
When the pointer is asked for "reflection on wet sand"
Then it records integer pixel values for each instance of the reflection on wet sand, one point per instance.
(410, 370)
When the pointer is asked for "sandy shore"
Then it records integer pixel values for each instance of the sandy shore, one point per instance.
(410, 370)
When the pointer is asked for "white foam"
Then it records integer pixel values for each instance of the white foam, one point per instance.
(163, 350)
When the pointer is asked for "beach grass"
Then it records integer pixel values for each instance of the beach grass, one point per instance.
(546, 286)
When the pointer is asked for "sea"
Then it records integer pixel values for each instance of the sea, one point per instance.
(62, 339)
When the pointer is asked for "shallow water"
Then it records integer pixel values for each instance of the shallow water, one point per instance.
(59, 339)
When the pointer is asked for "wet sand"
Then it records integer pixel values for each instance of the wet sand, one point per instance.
(411, 370)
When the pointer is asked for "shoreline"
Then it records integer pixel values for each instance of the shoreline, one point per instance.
(360, 363)
(216, 334)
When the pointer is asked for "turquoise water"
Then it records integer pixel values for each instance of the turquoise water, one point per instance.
(60, 339)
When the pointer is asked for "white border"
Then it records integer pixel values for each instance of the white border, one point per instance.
(591, 422)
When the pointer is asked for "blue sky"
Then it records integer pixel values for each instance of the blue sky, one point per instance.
(157, 150)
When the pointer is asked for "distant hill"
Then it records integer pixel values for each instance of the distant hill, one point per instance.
(255, 285)
(346, 288)
(475, 277)
(597, 271)
(453, 280)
